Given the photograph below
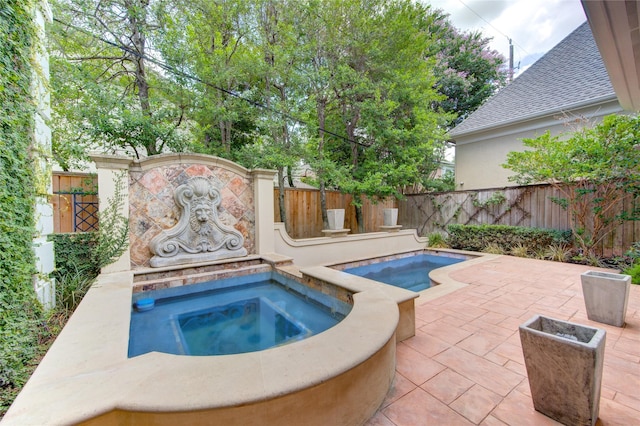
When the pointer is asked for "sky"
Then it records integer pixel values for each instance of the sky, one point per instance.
(534, 26)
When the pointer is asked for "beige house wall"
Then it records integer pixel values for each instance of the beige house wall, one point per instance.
(480, 155)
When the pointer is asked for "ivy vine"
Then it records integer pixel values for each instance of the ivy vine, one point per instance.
(20, 313)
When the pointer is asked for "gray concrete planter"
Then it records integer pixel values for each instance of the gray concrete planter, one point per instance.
(564, 364)
(390, 217)
(336, 218)
(606, 296)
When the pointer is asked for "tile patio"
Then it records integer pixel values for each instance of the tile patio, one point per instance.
(465, 366)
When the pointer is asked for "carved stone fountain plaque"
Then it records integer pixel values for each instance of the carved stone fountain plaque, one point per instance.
(199, 235)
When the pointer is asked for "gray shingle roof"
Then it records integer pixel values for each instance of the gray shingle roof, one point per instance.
(570, 74)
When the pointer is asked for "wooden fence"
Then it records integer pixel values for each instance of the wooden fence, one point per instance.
(75, 202)
(520, 206)
(304, 218)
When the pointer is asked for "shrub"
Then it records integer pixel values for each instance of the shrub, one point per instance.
(519, 250)
(558, 253)
(477, 237)
(634, 271)
(437, 240)
(493, 248)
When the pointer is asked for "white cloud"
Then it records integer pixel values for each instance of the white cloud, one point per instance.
(535, 26)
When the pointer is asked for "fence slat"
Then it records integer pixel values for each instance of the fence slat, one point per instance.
(304, 217)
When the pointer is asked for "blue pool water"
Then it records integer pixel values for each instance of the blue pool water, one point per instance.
(411, 273)
(236, 315)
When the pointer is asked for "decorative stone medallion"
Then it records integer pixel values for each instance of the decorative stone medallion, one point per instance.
(199, 235)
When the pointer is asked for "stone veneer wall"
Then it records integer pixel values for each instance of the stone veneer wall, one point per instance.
(152, 207)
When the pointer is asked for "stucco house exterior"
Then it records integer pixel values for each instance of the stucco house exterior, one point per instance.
(567, 85)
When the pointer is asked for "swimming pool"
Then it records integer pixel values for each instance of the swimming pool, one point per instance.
(230, 316)
(410, 272)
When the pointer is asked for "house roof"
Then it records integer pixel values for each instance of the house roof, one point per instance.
(570, 75)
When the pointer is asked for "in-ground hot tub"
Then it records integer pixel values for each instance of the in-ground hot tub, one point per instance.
(339, 376)
(233, 315)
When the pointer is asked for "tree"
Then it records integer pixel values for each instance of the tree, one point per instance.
(105, 92)
(595, 169)
(467, 70)
(211, 41)
(375, 82)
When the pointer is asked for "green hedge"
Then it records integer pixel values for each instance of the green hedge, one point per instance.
(21, 316)
(477, 237)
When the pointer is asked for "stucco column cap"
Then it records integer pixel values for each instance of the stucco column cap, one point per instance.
(104, 161)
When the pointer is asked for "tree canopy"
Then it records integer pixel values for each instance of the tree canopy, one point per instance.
(361, 90)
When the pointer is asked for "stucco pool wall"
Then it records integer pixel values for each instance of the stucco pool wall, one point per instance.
(339, 376)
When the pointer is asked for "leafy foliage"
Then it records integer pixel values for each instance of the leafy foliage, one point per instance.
(634, 271)
(479, 237)
(595, 169)
(20, 313)
(467, 71)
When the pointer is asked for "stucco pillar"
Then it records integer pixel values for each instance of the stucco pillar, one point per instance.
(111, 168)
(43, 285)
(263, 198)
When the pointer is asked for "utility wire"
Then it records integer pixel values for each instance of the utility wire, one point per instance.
(177, 72)
(489, 23)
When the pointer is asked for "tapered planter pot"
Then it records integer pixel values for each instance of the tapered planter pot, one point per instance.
(606, 296)
(564, 365)
(390, 217)
(336, 218)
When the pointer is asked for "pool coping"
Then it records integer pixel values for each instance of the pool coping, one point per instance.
(86, 372)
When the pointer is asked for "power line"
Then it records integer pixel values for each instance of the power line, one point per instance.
(491, 25)
(177, 72)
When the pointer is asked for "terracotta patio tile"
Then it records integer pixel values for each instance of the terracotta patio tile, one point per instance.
(496, 359)
(426, 344)
(479, 325)
(447, 385)
(379, 419)
(510, 351)
(517, 409)
(481, 371)
(420, 408)
(607, 392)
(554, 301)
(614, 413)
(631, 401)
(622, 380)
(629, 346)
(501, 308)
(480, 344)
(476, 403)
(452, 319)
(446, 332)
(428, 315)
(493, 318)
(492, 421)
(516, 367)
(400, 387)
(518, 300)
(415, 366)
